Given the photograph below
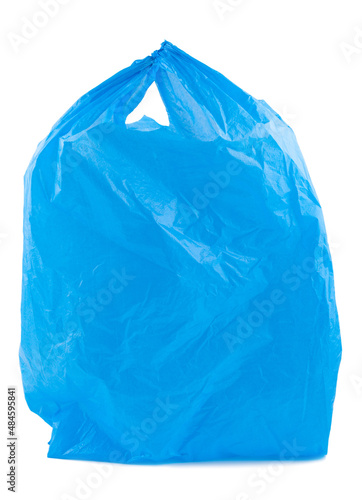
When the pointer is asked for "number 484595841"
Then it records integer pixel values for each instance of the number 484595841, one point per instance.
(11, 411)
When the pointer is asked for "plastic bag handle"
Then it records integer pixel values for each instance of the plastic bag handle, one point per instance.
(188, 89)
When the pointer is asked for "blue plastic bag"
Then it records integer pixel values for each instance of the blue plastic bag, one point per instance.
(178, 299)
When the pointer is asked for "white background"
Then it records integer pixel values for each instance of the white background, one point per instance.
(304, 58)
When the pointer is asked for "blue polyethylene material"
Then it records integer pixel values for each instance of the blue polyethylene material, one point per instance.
(178, 298)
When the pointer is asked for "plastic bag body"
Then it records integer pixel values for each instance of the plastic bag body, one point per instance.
(178, 299)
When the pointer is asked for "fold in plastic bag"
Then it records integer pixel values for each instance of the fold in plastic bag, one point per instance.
(178, 300)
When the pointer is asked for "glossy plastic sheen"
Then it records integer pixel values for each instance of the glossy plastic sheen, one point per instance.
(178, 299)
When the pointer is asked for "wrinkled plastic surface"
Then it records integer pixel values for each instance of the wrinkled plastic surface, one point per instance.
(178, 299)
